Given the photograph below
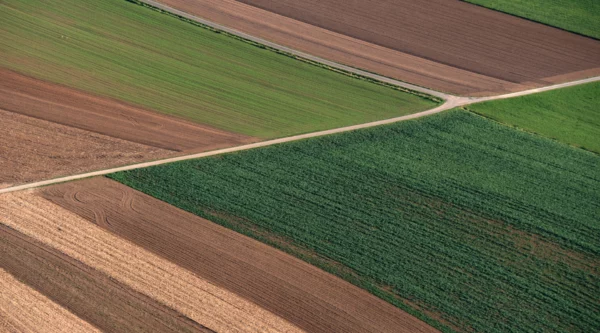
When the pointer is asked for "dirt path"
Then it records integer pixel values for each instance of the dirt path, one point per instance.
(454, 33)
(48, 130)
(451, 102)
(296, 52)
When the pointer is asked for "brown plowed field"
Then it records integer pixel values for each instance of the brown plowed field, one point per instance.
(47, 130)
(70, 107)
(33, 149)
(89, 294)
(446, 45)
(95, 254)
(290, 288)
(23, 309)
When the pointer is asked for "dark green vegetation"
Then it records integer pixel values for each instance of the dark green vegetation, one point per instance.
(472, 223)
(580, 16)
(120, 49)
(570, 115)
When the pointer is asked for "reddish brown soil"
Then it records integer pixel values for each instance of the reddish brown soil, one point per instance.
(70, 107)
(290, 288)
(87, 293)
(47, 130)
(446, 45)
(32, 149)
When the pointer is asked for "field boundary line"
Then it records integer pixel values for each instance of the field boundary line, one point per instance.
(530, 20)
(535, 90)
(451, 102)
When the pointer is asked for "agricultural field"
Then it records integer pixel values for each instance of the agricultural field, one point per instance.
(467, 223)
(569, 115)
(32, 149)
(48, 130)
(119, 49)
(418, 42)
(480, 218)
(122, 261)
(26, 310)
(579, 16)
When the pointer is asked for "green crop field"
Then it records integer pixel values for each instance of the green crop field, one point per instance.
(123, 50)
(464, 221)
(580, 16)
(570, 115)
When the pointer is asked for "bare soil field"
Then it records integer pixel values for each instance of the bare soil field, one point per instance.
(82, 267)
(303, 295)
(47, 130)
(89, 294)
(23, 309)
(446, 45)
(59, 104)
(33, 149)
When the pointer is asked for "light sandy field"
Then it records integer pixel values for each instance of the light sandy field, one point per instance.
(146, 273)
(23, 309)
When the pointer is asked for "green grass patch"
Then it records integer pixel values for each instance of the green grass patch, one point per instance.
(468, 223)
(579, 16)
(123, 50)
(570, 115)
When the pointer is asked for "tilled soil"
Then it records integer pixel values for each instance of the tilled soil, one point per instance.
(446, 45)
(55, 103)
(23, 309)
(87, 293)
(47, 131)
(290, 288)
(32, 149)
(176, 295)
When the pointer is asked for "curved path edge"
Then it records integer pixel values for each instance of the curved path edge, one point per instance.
(451, 102)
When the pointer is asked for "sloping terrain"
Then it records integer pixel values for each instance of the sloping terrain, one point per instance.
(446, 45)
(477, 225)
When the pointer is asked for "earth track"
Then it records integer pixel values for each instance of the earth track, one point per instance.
(451, 102)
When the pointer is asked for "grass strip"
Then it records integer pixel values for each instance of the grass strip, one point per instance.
(570, 115)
